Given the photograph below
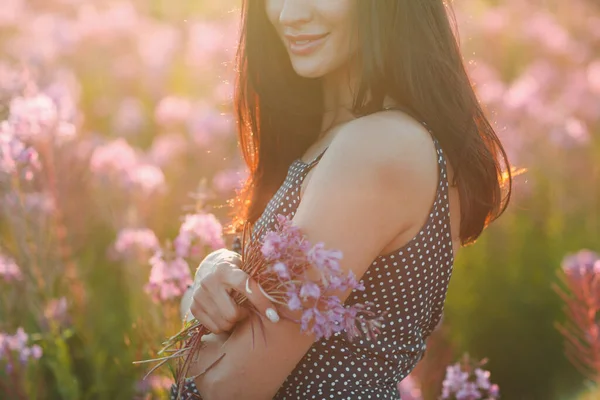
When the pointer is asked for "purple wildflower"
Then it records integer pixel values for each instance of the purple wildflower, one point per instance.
(16, 346)
(310, 290)
(324, 259)
(467, 381)
(468, 392)
(272, 245)
(169, 279)
(9, 270)
(483, 378)
(294, 302)
(149, 179)
(33, 116)
(116, 157)
(173, 111)
(292, 260)
(131, 242)
(198, 230)
(16, 158)
(281, 270)
(581, 264)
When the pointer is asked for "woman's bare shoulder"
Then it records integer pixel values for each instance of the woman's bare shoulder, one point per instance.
(391, 141)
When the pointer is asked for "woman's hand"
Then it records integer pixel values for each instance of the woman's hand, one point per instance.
(211, 301)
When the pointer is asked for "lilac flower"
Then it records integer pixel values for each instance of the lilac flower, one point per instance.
(147, 178)
(166, 148)
(15, 346)
(206, 124)
(294, 302)
(310, 290)
(32, 116)
(494, 391)
(131, 242)
(228, 180)
(483, 378)
(115, 157)
(198, 230)
(290, 257)
(169, 279)
(129, 118)
(581, 264)
(272, 245)
(468, 381)
(16, 158)
(468, 392)
(173, 110)
(281, 270)
(455, 378)
(9, 270)
(325, 259)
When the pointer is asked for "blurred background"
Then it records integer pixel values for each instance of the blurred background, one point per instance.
(118, 156)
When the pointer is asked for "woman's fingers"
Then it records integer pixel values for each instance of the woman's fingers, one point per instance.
(216, 303)
(212, 303)
(203, 317)
(242, 282)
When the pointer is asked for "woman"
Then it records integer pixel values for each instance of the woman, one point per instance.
(356, 118)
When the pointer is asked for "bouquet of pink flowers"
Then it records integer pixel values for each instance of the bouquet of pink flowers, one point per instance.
(298, 276)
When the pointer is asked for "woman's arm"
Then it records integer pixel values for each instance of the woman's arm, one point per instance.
(377, 179)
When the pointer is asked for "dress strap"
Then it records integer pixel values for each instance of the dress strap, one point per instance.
(315, 160)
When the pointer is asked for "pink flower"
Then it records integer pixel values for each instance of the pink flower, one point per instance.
(36, 352)
(206, 124)
(131, 242)
(281, 270)
(169, 279)
(228, 180)
(17, 343)
(32, 116)
(146, 178)
(115, 157)
(289, 257)
(129, 118)
(16, 158)
(198, 230)
(9, 270)
(310, 290)
(173, 111)
(325, 259)
(166, 148)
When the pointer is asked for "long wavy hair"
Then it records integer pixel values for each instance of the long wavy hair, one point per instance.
(408, 50)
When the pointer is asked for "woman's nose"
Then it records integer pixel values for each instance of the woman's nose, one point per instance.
(295, 12)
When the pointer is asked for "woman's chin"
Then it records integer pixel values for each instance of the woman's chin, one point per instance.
(308, 71)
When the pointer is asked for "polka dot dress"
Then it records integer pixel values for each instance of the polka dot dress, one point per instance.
(409, 283)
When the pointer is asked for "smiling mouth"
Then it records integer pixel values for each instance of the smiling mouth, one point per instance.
(305, 44)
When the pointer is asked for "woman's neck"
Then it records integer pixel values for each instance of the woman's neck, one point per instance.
(338, 98)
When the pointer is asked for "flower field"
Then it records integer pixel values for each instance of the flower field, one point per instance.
(118, 157)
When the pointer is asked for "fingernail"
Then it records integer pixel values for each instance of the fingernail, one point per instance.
(272, 315)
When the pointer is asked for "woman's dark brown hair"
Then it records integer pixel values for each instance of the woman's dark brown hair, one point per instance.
(407, 51)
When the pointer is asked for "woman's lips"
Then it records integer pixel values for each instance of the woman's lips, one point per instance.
(303, 45)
